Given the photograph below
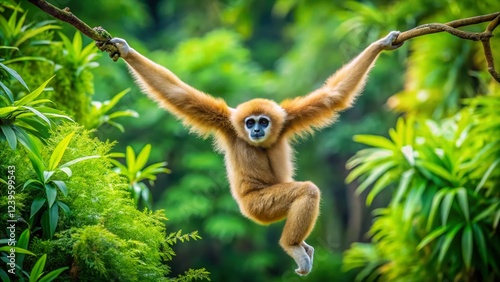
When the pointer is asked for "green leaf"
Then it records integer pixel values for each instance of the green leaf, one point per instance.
(487, 175)
(58, 152)
(436, 201)
(375, 141)
(18, 250)
(374, 175)
(467, 246)
(66, 170)
(51, 193)
(37, 269)
(130, 159)
(33, 95)
(62, 186)
(36, 205)
(381, 183)
(403, 185)
(448, 239)
(15, 75)
(478, 234)
(446, 206)
(437, 170)
(142, 158)
(10, 135)
(53, 274)
(53, 219)
(433, 235)
(463, 202)
(4, 111)
(77, 161)
(64, 207)
(38, 113)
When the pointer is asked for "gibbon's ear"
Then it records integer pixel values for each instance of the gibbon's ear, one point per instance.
(259, 107)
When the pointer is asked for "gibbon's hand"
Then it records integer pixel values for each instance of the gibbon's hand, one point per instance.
(122, 46)
(386, 42)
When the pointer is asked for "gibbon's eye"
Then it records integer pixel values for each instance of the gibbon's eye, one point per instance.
(264, 122)
(250, 123)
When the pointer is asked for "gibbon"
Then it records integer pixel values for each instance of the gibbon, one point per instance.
(255, 138)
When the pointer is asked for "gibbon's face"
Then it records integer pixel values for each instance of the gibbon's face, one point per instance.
(257, 127)
(259, 122)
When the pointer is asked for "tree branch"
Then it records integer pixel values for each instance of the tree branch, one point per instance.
(102, 37)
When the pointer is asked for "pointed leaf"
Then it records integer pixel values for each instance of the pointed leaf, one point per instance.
(70, 163)
(16, 75)
(37, 269)
(487, 175)
(18, 250)
(403, 185)
(64, 207)
(58, 152)
(10, 136)
(33, 95)
(66, 170)
(36, 205)
(375, 141)
(52, 275)
(130, 159)
(446, 206)
(53, 219)
(142, 158)
(433, 235)
(436, 201)
(481, 243)
(38, 113)
(374, 175)
(51, 193)
(62, 186)
(467, 246)
(448, 239)
(381, 183)
(463, 202)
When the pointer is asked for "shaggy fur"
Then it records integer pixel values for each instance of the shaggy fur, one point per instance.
(261, 173)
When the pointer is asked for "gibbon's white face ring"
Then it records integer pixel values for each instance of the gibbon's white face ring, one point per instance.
(257, 127)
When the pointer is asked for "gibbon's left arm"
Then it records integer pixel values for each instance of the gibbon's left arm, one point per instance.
(201, 111)
(319, 108)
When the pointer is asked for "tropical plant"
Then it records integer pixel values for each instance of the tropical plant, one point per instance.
(26, 117)
(49, 205)
(135, 172)
(15, 32)
(442, 219)
(20, 251)
(99, 113)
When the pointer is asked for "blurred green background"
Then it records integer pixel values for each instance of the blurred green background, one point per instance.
(277, 49)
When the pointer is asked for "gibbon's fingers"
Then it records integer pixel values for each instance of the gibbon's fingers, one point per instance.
(121, 45)
(387, 42)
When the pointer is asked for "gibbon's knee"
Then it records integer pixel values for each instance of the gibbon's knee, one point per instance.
(312, 190)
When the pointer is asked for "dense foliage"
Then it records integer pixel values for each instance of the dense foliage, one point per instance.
(432, 180)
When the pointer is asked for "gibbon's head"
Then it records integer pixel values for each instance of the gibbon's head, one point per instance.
(259, 121)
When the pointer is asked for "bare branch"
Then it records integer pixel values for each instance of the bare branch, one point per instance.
(450, 27)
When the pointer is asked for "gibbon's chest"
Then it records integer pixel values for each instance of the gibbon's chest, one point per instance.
(267, 166)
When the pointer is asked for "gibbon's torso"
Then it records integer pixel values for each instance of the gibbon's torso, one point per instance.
(252, 168)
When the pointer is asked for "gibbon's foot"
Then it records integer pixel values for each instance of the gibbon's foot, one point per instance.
(309, 250)
(386, 42)
(302, 258)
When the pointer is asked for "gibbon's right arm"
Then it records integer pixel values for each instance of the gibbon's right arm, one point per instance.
(204, 113)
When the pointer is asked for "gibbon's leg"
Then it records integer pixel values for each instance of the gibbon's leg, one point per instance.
(299, 203)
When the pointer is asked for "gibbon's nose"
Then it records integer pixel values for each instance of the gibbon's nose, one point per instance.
(256, 130)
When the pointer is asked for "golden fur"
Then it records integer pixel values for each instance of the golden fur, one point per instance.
(261, 173)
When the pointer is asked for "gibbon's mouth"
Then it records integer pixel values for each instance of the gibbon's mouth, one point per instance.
(257, 137)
